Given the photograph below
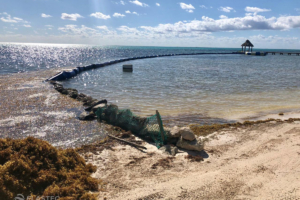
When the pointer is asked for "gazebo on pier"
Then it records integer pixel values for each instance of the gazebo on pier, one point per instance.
(247, 44)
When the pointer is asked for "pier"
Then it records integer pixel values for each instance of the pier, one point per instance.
(282, 53)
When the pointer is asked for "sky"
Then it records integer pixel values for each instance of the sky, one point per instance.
(186, 23)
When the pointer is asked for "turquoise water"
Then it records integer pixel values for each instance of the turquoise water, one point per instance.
(202, 86)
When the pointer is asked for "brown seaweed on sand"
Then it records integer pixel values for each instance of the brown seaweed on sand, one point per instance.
(33, 167)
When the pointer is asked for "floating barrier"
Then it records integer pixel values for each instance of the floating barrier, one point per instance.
(74, 72)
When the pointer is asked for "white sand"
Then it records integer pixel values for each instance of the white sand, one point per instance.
(258, 162)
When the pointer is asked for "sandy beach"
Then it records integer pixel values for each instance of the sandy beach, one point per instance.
(259, 161)
(255, 162)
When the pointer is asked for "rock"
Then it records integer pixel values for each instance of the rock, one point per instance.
(95, 108)
(175, 132)
(187, 133)
(60, 89)
(95, 104)
(87, 116)
(168, 149)
(72, 93)
(88, 101)
(81, 97)
(195, 145)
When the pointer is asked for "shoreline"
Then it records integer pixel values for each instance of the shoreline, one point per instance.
(44, 103)
(244, 160)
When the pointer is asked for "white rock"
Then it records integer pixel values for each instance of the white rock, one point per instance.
(195, 145)
(187, 133)
(175, 132)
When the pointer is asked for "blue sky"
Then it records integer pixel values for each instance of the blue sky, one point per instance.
(196, 23)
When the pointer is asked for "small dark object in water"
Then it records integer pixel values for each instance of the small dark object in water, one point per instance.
(280, 114)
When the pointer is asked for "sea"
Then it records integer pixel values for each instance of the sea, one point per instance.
(193, 88)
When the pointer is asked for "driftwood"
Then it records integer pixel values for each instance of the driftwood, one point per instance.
(130, 143)
(95, 104)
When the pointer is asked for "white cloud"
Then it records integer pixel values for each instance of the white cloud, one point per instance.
(127, 29)
(118, 15)
(45, 15)
(103, 28)
(122, 2)
(223, 17)
(18, 19)
(128, 12)
(187, 7)
(27, 25)
(203, 6)
(138, 3)
(100, 15)
(81, 30)
(9, 19)
(157, 4)
(226, 9)
(72, 17)
(255, 22)
(256, 10)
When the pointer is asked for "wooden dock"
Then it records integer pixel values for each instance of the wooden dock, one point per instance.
(282, 53)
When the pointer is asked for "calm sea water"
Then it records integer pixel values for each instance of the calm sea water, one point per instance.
(204, 86)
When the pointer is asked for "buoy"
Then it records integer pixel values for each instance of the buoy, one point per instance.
(127, 68)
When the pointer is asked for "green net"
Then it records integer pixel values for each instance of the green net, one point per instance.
(144, 127)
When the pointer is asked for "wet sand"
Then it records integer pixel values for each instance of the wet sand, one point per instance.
(31, 107)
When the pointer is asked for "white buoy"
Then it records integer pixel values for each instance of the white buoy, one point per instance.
(127, 68)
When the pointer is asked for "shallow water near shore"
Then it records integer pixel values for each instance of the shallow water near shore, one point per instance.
(201, 89)
(206, 86)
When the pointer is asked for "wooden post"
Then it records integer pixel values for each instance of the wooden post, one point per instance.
(127, 142)
(160, 125)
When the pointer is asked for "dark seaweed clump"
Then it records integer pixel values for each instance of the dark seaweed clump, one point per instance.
(33, 167)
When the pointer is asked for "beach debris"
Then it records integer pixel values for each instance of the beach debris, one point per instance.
(187, 133)
(33, 167)
(169, 149)
(281, 114)
(127, 142)
(195, 145)
(165, 163)
(87, 116)
(196, 158)
(135, 160)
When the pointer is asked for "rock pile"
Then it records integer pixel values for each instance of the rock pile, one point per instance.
(185, 139)
(92, 104)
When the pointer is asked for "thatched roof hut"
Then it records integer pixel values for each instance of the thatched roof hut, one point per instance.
(247, 44)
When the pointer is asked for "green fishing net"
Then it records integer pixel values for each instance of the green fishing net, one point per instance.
(144, 127)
